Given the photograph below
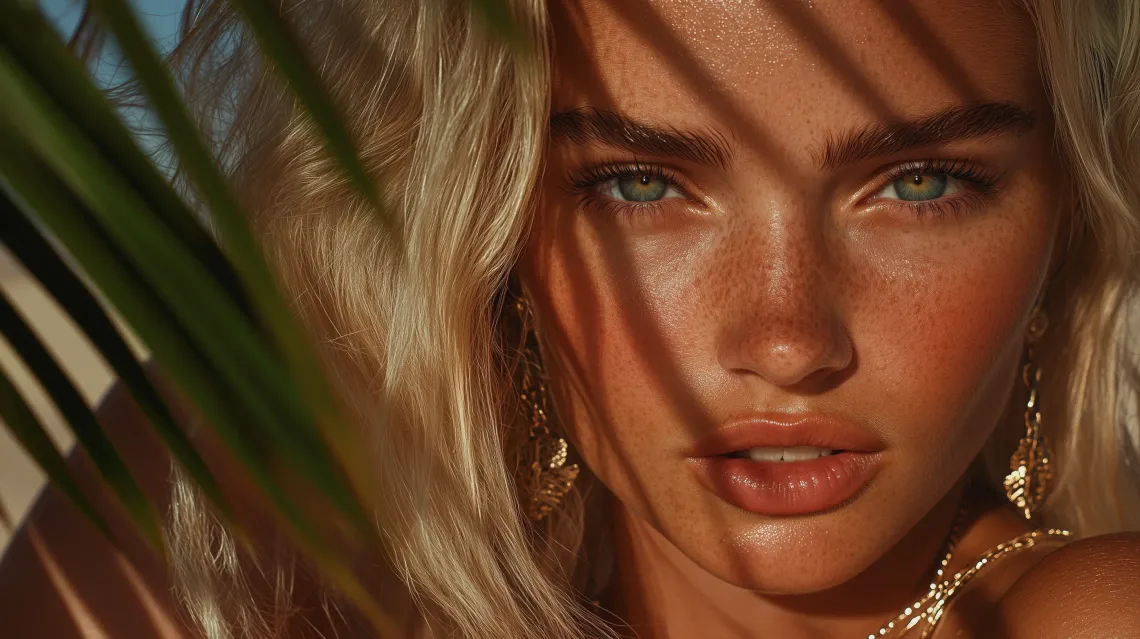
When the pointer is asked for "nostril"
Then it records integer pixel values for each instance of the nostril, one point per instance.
(789, 357)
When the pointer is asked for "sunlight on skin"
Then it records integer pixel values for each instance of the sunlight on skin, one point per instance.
(75, 604)
(772, 283)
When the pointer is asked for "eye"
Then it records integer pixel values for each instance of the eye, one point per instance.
(938, 186)
(921, 186)
(639, 187)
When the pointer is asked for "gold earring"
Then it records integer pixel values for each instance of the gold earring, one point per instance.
(547, 478)
(1031, 466)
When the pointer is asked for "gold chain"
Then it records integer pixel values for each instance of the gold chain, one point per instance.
(932, 606)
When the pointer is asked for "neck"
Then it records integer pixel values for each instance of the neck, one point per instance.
(661, 594)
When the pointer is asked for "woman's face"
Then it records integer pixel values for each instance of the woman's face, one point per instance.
(783, 261)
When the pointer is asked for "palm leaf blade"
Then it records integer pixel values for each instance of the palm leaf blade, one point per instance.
(497, 15)
(163, 333)
(88, 181)
(225, 211)
(244, 358)
(276, 39)
(27, 429)
(29, 39)
(39, 257)
(82, 422)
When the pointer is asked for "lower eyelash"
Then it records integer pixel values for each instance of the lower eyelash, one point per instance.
(950, 206)
(621, 210)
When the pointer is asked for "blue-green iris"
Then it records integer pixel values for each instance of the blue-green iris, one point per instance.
(920, 186)
(642, 188)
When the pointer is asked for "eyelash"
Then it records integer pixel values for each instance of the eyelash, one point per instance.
(585, 185)
(981, 183)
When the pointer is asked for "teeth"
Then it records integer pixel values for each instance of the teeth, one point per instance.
(766, 454)
(795, 453)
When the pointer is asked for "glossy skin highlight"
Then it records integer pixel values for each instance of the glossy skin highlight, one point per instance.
(769, 283)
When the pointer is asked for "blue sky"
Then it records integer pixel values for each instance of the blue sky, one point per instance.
(159, 16)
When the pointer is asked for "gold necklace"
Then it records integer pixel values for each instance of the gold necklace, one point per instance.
(931, 607)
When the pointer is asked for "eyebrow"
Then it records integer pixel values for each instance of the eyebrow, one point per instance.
(948, 125)
(589, 125)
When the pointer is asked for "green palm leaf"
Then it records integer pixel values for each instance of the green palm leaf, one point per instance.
(279, 44)
(28, 38)
(243, 356)
(244, 252)
(82, 422)
(228, 413)
(72, 175)
(28, 430)
(498, 17)
(38, 256)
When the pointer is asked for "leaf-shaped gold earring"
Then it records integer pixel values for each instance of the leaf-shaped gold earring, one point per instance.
(1031, 467)
(547, 477)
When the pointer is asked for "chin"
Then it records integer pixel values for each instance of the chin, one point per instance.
(778, 555)
(785, 575)
(785, 557)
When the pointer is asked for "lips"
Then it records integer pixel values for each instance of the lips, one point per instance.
(762, 464)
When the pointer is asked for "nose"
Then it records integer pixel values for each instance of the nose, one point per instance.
(784, 320)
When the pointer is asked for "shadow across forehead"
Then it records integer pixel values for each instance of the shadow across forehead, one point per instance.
(647, 77)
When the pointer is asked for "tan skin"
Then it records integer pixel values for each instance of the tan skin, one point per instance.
(763, 281)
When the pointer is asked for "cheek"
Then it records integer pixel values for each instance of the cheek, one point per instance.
(943, 330)
(617, 338)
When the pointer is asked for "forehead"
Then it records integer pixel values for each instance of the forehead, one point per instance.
(783, 71)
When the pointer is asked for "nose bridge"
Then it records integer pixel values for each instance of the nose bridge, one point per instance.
(788, 272)
(787, 325)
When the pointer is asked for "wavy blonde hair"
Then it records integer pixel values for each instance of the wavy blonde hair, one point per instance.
(452, 122)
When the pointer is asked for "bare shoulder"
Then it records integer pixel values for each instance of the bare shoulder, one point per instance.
(1088, 588)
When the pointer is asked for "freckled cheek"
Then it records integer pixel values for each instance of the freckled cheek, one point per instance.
(614, 328)
(944, 335)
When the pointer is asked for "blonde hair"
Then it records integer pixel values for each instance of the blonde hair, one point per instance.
(1090, 62)
(452, 122)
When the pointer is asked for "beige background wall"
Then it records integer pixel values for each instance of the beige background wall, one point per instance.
(20, 480)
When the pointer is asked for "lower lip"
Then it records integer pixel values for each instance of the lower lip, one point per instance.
(787, 488)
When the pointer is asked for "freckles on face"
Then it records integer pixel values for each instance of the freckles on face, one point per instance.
(615, 312)
(942, 327)
(855, 226)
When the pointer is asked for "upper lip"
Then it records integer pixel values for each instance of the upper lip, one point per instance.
(785, 430)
